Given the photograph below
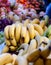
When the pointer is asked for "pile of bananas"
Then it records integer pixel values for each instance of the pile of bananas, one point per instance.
(35, 53)
(19, 33)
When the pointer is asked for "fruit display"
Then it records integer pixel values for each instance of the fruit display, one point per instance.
(32, 4)
(32, 53)
(25, 33)
(20, 33)
(26, 43)
(16, 11)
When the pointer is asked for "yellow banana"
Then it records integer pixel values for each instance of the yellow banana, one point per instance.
(23, 32)
(31, 31)
(18, 32)
(42, 23)
(38, 39)
(13, 42)
(26, 22)
(9, 64)
(12, 31)
(5, 58)
(44, 47)
(45, 39)
(35, 21)
(14, 59)
(45, 28)
(38, 28)
(12, 48)
(36, 32)
(33, 45)
(5, 49)
(27, 38)
(41, 39)
(8, 43)
(6, 32)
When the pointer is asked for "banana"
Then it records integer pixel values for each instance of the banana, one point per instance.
(39, 61)
(8, 43)
(23, 32)
(5, 59)
(49, 37)
(13, 42)
(22, 40)
(35, 21)
(12, 48)
(33, 45)
(44, 47)
(33, 56)
(9, 64)
(38, 28)
(45, 28)
(41, 39)
(14, 59)
(44, 54)
(48, 62)
(42, 23)
(27, 38)
(38, 39)
(18, 32)
(49, 57)
(6, 32)
(31, 31)
(5, 49)
(12, 31)
(36, 32)
(26, 22)
(45, 39)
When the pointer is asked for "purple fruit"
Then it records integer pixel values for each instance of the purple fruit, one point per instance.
(4, 22)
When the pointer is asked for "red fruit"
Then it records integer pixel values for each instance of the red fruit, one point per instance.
(33, 0)
(37, 6)
(37, 3)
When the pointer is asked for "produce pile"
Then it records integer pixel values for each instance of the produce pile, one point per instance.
(19, 33)
(35, 4)
(25, 35)
(27, 43)
(33, 54)
(14, 11)
(7, 18)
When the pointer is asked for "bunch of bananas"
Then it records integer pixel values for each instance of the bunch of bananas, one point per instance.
(19, 33)
(36, 52)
